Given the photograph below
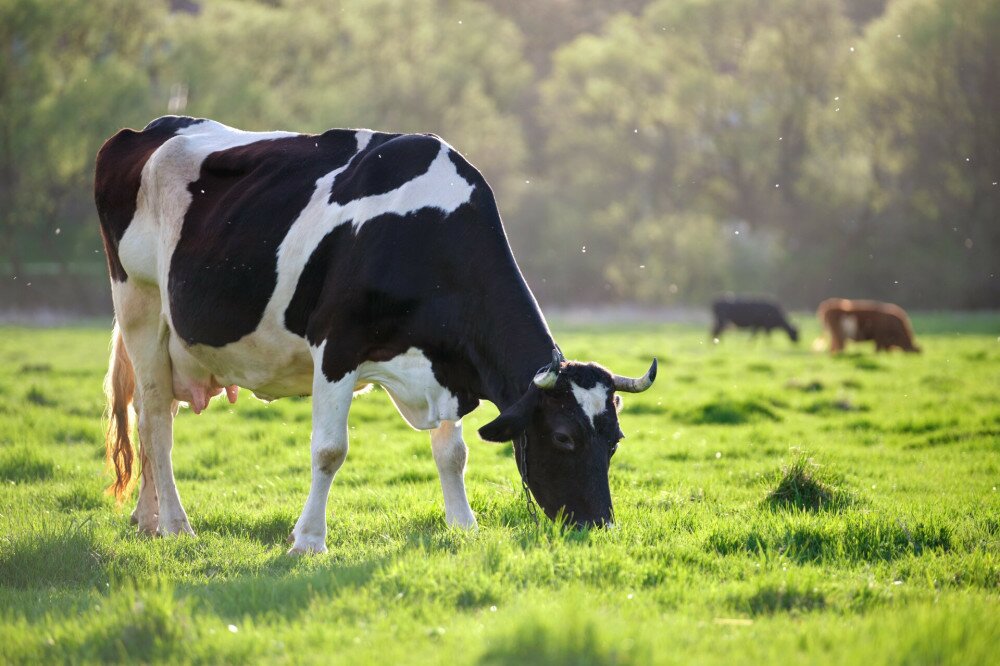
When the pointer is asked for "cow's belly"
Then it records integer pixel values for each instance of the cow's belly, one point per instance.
(410, 382)
(271, 364)
(276, 364)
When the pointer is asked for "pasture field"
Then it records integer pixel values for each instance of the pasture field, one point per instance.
(774, 504)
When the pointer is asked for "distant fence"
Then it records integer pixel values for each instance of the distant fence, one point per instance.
(73, 291)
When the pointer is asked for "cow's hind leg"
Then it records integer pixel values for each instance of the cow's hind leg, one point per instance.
(146, 512)
(145, 333)
(331, 404)
(450, 454)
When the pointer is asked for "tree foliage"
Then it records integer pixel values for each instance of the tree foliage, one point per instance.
(650, 150)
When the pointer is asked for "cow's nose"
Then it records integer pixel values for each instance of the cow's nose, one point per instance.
(600, 523)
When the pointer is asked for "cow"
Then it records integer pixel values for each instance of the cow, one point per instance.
(752, 314)
(884, 323)
(296, 264)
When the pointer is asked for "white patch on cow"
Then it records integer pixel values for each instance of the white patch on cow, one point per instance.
(592, 401)
(450, 455)
(849, 326)
(363, 136)
(440, 187)
(409, 380)
(331, 405)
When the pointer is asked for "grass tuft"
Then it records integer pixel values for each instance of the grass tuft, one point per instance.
(804, 484)
(36, 396)
(811, 386)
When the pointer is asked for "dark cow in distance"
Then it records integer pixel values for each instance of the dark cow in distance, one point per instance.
(293, 264)
(756, 315)
(884, 323)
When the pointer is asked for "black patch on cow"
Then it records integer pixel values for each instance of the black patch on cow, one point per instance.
(118, 176)
(310, 284)
(387, 163)
(224, 269)
(466, 170)
(445, 284)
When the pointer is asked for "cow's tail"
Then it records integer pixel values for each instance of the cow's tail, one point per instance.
(119, 388)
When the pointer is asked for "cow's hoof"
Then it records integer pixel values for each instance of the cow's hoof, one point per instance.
(308, 545)
(177, 528)
(147, 528)
(467, 522)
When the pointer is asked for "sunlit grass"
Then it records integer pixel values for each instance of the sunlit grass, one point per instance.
(773, 504)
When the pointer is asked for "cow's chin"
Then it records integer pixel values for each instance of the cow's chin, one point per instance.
(575, 512)
(581, 519)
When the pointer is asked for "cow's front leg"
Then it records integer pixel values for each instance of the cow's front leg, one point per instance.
(331, 403)
(450, 454)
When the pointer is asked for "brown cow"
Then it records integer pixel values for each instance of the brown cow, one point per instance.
(885, 323)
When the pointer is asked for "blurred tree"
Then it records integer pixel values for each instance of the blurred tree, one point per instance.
(63, 66)
(698, 106)
(652, 150)
(923, 97)
(455, 69)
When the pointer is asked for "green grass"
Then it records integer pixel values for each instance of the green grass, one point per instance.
(773, 505)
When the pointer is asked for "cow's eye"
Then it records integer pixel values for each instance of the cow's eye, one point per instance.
(563, 441)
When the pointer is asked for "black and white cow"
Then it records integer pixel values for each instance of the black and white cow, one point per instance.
(293, 264)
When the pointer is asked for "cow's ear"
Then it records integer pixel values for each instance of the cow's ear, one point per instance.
(513, 421)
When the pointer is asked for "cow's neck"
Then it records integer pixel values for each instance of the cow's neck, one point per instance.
(515, 343)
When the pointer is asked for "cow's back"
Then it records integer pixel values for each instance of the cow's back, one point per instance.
(749, 313)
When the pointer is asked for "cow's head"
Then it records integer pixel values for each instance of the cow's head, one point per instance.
(565, 431)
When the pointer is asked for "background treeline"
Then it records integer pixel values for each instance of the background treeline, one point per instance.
(648, 151)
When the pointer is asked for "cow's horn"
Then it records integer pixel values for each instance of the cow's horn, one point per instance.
(630, 385)
(546, 377)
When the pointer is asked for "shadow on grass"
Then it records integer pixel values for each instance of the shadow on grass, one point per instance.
(575, 634)
(772, 598)
(854, 538)
(266, 529)
(40, 558)
(860, 361)
(833, 406)
(955, 437)
(282, 595)
(24, 464)
(727, 411)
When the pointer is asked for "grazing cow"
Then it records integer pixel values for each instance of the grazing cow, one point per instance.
(755, 315)
(885, 323)
(292, 264)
